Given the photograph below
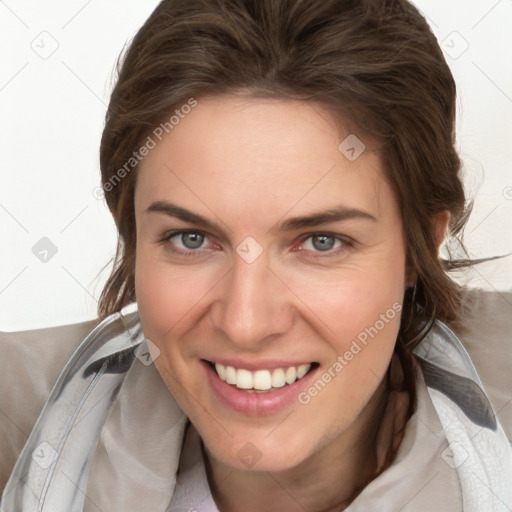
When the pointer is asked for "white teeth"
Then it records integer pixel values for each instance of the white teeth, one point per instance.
(278, 378)
(302, 370)
(243, 379)
(221, 370)
(261, 380)
(291, 375)
(230, 375)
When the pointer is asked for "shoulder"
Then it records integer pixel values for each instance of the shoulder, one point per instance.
(484, 327)
(30, 362)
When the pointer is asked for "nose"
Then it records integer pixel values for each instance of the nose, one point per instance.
(252, 306)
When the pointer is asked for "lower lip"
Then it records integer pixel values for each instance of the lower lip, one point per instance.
(256, 404)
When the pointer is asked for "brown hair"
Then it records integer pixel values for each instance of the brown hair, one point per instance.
(376, 61)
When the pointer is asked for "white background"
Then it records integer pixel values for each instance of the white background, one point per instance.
(53, 105)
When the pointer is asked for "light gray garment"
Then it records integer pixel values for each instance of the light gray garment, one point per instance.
(134, 461)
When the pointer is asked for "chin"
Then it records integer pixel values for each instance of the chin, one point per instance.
(259, 453)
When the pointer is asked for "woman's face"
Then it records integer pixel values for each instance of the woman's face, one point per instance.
(262, 246)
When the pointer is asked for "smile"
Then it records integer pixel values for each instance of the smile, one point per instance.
(260, 380)
(263, 390)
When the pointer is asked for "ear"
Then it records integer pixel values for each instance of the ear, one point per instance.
(441, 223)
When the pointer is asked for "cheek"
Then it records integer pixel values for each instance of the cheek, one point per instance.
(358, 311)
(157, 304)
(165, 293)
(343, 303)
(373, 300)
(362, 313)
(167, 299)
(373, 304)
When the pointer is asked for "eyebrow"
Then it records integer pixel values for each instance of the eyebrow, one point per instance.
(183, 214)
(338, 214)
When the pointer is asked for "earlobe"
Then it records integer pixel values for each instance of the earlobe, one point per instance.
(410, 276)
(411, 281)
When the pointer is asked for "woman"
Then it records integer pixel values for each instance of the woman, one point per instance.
(282, 175)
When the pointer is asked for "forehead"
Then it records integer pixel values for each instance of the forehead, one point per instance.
(247, 157)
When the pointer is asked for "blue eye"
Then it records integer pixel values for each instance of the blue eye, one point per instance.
(192, 240)
(187, 240)
(322, 243)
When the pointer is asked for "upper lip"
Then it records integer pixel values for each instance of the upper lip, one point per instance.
(268, 364)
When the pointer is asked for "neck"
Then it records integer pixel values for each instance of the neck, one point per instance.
(326, 481)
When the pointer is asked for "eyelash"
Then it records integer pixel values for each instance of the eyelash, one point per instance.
(347, 243)
(190, 253)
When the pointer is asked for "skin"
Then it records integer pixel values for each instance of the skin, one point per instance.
(248, 165)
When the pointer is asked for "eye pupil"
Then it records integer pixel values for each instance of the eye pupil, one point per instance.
(323, 242)
(192, 240)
